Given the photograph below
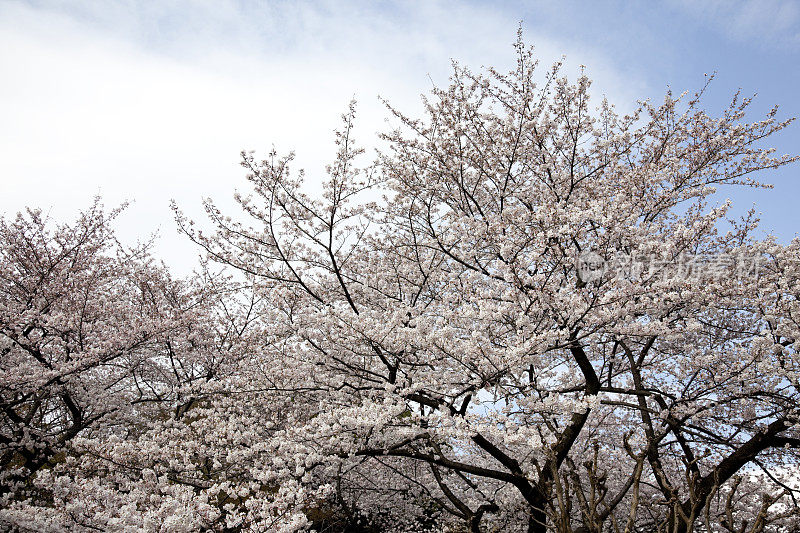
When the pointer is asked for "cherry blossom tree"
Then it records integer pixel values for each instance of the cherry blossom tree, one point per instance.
(58, 300)
(466, 365)
(96, 340)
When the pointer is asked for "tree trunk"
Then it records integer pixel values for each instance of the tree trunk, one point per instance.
(537, 522)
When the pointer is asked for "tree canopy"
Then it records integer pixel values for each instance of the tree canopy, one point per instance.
(528, 313)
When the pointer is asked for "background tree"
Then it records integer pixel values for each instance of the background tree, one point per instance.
(96, 341)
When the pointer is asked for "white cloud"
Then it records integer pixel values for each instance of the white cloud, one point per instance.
(152, 101)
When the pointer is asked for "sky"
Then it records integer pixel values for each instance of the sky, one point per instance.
(152, 101)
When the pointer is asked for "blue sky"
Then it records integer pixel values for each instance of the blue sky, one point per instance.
(149, 101)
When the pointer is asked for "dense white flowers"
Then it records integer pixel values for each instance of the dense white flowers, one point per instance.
(432, 361)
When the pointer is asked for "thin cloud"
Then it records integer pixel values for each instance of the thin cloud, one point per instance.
(772, 23)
